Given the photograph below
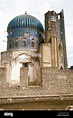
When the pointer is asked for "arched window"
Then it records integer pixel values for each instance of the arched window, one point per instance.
(24, 43)
(32, 44)
(61, 52)
(60, 47)
(16, 43)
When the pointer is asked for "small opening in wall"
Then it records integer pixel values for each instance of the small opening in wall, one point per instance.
(32, 39)
(61, 68)
(60, 47)
(25, 65)
(49, 40)
(39, 35)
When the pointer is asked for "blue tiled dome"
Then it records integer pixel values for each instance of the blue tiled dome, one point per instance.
(25, 31)
(23, 21)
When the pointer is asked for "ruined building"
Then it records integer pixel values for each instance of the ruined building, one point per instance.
(34, 68)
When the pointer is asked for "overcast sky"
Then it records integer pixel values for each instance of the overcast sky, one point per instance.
(11, 8)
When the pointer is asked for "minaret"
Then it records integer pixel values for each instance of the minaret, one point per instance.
(53, 51)
(51, 35)
(62, 37)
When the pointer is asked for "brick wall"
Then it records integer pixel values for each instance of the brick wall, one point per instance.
(57, 81)
(54, 82)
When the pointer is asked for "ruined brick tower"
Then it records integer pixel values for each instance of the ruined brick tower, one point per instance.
(55, 45)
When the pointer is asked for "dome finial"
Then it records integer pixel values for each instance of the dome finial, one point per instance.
(25, 12)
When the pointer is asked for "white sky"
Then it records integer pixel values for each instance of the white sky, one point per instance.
(11, 8)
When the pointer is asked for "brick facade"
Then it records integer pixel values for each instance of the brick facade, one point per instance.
(56, 89)
(54, 82)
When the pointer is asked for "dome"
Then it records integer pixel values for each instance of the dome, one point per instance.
(23, 21)
(25, 31)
